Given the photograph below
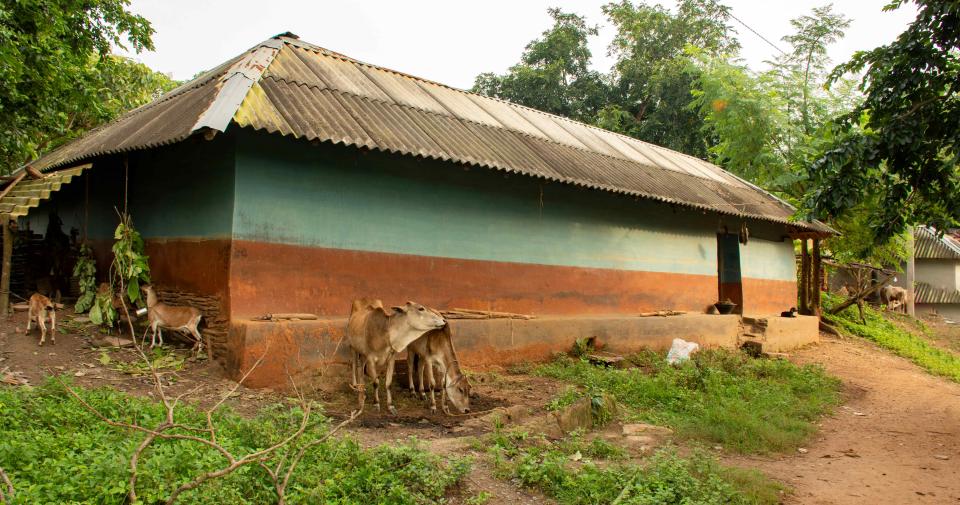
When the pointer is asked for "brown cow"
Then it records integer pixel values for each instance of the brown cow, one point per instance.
(894, 297)
(377, 335)
(435, 349)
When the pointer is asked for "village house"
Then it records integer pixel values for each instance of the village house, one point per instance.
(295, 179)
(937, 273)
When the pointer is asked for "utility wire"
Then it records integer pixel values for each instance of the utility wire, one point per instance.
(756, 33)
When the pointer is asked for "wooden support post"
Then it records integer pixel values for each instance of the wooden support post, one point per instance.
(910, 273)
(5, 221)
(804, 307)
(816, 280)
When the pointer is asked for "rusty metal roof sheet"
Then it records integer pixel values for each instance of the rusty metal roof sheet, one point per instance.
(29, 193)
(925, 293)
(290, 87)
(930, 246)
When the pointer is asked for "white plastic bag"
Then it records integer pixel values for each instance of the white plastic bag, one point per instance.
(681, 350)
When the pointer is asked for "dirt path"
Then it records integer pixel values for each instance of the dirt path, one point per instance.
(895, 440)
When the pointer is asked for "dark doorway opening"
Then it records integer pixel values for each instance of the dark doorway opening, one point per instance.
(728, 270)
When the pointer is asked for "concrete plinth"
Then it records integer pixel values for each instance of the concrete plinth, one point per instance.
(302, 348)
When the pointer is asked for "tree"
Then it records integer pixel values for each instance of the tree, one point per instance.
(645, 94)
(553, 74)
(900, 146)
(652, 76)
(56, 75)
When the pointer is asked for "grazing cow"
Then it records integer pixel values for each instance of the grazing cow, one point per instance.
(377, 335)
(435, 349)
(42, 308)
(894, 297)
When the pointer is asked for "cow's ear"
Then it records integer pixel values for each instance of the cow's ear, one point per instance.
(399, 308)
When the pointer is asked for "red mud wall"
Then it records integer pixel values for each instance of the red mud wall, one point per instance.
(267, 278)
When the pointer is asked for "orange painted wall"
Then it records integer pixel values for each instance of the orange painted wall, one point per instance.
(268, 278)
(768, 297)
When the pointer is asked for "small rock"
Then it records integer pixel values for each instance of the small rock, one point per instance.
(641, 439)
(576, 456)
(718, 447)
(859, 414)
(645, 429)
(941, 456)
(424, 420)
(60, 367)
(79, 373)
(394, 425)
(802, 450)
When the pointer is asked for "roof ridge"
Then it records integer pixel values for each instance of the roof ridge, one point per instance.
(331, 53)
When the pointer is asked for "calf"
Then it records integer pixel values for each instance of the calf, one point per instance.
(894, 297)
(435, 349)
(42, 308)
(171, 317)
(377, 335)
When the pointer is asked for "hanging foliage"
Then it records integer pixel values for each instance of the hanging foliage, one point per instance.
(130, 265)
(85, 271)
(102, 312)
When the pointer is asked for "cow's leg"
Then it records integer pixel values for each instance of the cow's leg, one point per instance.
(43, 328)
(421, 366)
(153, 334)
(443, 387)
(371, 369)
(29, 319)
(53, 327)
(386, 384)
(357, 382)
(428, 366)
(411, 365)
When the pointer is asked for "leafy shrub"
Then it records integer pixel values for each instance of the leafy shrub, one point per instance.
(666, 478)
(56, 451)
(748, 405)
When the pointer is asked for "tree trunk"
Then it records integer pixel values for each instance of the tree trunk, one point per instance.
(7, 259)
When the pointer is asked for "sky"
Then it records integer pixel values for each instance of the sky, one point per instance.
(451, 41)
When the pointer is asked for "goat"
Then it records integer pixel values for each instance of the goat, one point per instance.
(171, 317)
(376, 336)
(435, 349)
(41, 308)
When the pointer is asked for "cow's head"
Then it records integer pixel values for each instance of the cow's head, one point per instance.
(419, 317)
(458, 391)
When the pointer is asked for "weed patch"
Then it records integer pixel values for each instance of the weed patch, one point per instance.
(898, 339)
(56, 451)
(575, 472)
(719, 396)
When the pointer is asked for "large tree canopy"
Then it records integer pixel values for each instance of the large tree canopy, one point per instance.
(553, 74)
(647, 92)
(900, 146)
(57, 77)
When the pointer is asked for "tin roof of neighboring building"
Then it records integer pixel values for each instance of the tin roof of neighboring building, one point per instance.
(286, 86)
(928, 245)
(925, 293)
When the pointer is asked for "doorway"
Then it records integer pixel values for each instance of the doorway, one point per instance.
(728, 270)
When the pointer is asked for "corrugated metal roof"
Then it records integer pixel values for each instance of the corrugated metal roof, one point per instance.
(29, 193)
(287, 86)
(929, 246)
(925, 293)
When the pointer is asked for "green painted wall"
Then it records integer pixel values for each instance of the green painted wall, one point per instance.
(179, 191)
(292, 192)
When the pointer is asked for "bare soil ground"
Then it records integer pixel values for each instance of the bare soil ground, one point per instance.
(896, 439)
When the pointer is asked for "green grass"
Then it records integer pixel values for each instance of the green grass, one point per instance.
(55, 451)
(600, 476)
(719, 396)
(901, 341)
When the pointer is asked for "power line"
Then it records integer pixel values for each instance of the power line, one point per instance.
(756, 33)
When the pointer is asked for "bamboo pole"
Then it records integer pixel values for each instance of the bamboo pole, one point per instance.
(804, 278)
(817, 278)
